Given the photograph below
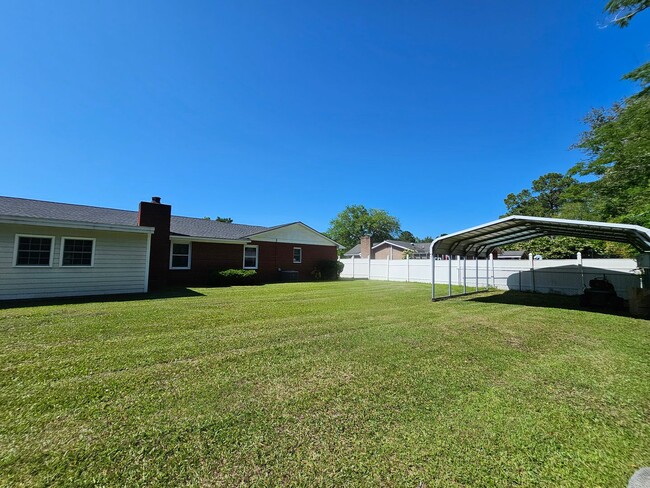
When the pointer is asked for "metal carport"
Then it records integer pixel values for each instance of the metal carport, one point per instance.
(480, 241)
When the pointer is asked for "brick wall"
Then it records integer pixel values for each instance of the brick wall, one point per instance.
(280, 255)
(208, 257)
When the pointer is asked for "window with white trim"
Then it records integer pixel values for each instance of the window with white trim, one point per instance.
(77, 252)
(33, 250)
(297, 255)
(181, 253)
(251, 254)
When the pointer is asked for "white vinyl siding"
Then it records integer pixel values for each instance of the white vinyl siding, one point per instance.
(119, 264)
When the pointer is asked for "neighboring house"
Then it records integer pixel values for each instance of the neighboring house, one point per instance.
(57, 249)
(512, 255)
(389, 249)
(392, 249)
(354, 252)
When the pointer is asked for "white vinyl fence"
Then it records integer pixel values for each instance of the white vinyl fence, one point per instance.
(564, 276)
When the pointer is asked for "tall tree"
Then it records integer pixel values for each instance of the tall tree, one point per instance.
(406, 236)
(617, 149)
(544, 199)
(622, 11)
(617, 142)
(355, 221)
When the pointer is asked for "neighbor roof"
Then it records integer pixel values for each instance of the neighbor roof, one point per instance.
(419, 247)
(180, 226)
(355, 251)
(481, 240)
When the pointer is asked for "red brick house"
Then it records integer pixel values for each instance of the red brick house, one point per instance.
(59, 249)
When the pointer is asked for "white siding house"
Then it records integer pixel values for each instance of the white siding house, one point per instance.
(74, 259)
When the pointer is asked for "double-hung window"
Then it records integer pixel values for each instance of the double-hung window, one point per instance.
(180, 255)
(251, 254)
(77, 252)
(34, 250)
(297, 255)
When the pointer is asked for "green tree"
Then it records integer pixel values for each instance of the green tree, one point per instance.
(622, 11)
(355, 221)
(406, 236)
(563, 247)
(617, 149)
(544, 199)
(227, 220)
(617, 142)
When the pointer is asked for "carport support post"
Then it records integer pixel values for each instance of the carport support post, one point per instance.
(449, 258)
(476, 259)
(408, 269)
(465, 274)
(433, 278)
(582, 272)
(494, 281)
(488, 258)
(532, 269)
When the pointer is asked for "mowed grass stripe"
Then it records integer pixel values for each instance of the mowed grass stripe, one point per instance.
(346, 383)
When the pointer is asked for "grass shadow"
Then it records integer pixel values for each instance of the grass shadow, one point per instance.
(123, 297)
(544, 300)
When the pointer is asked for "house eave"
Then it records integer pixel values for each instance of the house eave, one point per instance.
(9, 219)
(212, 240)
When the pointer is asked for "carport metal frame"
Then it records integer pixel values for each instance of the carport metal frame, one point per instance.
(480, 241)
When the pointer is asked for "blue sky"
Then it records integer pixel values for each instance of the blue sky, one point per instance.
(270, 112)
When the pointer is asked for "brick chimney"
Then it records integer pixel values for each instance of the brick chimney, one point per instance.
(157, 215)
(366, 247)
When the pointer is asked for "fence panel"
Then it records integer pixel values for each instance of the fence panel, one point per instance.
(564, 276)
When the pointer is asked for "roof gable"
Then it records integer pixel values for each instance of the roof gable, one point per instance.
(294, 233)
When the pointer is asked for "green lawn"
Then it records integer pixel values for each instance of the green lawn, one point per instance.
(345, 383)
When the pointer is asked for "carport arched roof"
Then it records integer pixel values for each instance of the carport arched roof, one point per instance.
(483, 239)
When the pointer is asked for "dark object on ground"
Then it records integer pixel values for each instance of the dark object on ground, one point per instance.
(327, 269)
(287, 276)
(601, 293)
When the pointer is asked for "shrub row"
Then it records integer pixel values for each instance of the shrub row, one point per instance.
(324, 270)
(234, 277)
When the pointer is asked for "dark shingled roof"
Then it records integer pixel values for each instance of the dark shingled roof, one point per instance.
(189, 226)
(182, 226)
(22, 207)
(356, 250)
